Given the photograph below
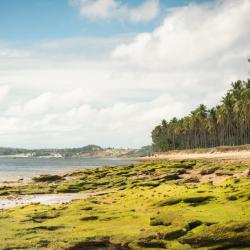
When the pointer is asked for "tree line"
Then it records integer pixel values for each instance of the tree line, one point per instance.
(226, 124)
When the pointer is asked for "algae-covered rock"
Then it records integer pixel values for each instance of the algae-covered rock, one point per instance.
(207, 171)
(171, 176)
(193, 224)
(91, 217)
(234, 234)
(169, 202)
(152, 244)
(43, 216)
(192, 179)
(232, 198)
(185, 213)
(197, 199)
(47, 228)
(159, 222)
(87, 208)
(175, 234)
(47, 178)
(247, 173)
(98, 245)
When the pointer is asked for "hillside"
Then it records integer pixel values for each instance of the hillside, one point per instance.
(85, 151)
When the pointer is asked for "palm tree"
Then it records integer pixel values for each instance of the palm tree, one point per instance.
(225, 124)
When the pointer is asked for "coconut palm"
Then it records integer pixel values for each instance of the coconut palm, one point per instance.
(225, 124)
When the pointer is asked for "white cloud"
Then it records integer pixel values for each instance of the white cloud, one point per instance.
(73, 121)
(192, 35)
(52, 102)
(3, 92)
(114, 9)
(57, 97)
(9, 52)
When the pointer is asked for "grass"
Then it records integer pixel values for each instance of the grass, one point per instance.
(136, 214)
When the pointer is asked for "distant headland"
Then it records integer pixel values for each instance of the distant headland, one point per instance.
(85, 151)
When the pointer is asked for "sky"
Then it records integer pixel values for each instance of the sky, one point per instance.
(105, 72)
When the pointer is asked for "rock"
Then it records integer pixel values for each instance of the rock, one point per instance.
(232, 198)
(247, 173)
(175, 234)
(170, 177)
(182, 171)
(97, 245)
(184, 165)
(87, 218)
(169, 202)
(151, 244)
(87, 208)
(47, 178)
(193, 179)
(221, 173)
(159, 222)
(232, 235)
(193, 224)
(207, 171)
(197, 199)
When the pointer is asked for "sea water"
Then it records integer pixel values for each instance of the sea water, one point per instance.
(13, 168)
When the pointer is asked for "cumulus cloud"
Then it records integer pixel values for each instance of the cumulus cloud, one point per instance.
(3, 92)
(60, 98)
(83, 122)
(114, 9)
(52, 102)
(192, 35)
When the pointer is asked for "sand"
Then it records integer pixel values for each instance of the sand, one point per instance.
(239, 156)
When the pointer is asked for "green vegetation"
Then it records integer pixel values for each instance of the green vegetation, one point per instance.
(86, 151)
(143, 151)
(143, 206)
(225, 124)
(12, 151)
(67, 152)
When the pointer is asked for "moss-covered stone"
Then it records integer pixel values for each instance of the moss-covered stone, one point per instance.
(138, 209)
(47, 178)
(223, 236)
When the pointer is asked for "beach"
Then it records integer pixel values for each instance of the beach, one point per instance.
(157, 204)
(236, 156)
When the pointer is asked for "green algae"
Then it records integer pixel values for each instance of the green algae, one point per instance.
(136, 214)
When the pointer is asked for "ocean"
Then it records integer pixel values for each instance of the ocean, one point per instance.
(13, 168)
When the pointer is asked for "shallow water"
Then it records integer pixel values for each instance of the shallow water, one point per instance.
(48, 199)
(13, 168)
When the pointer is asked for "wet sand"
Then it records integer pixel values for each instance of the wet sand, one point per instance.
(7, 202)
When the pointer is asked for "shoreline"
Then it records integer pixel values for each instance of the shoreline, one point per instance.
(10, 201)
(240, 156)
(237, 156)
(21, 174)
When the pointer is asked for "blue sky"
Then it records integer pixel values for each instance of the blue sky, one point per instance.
(22, 20)
(105, 72)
